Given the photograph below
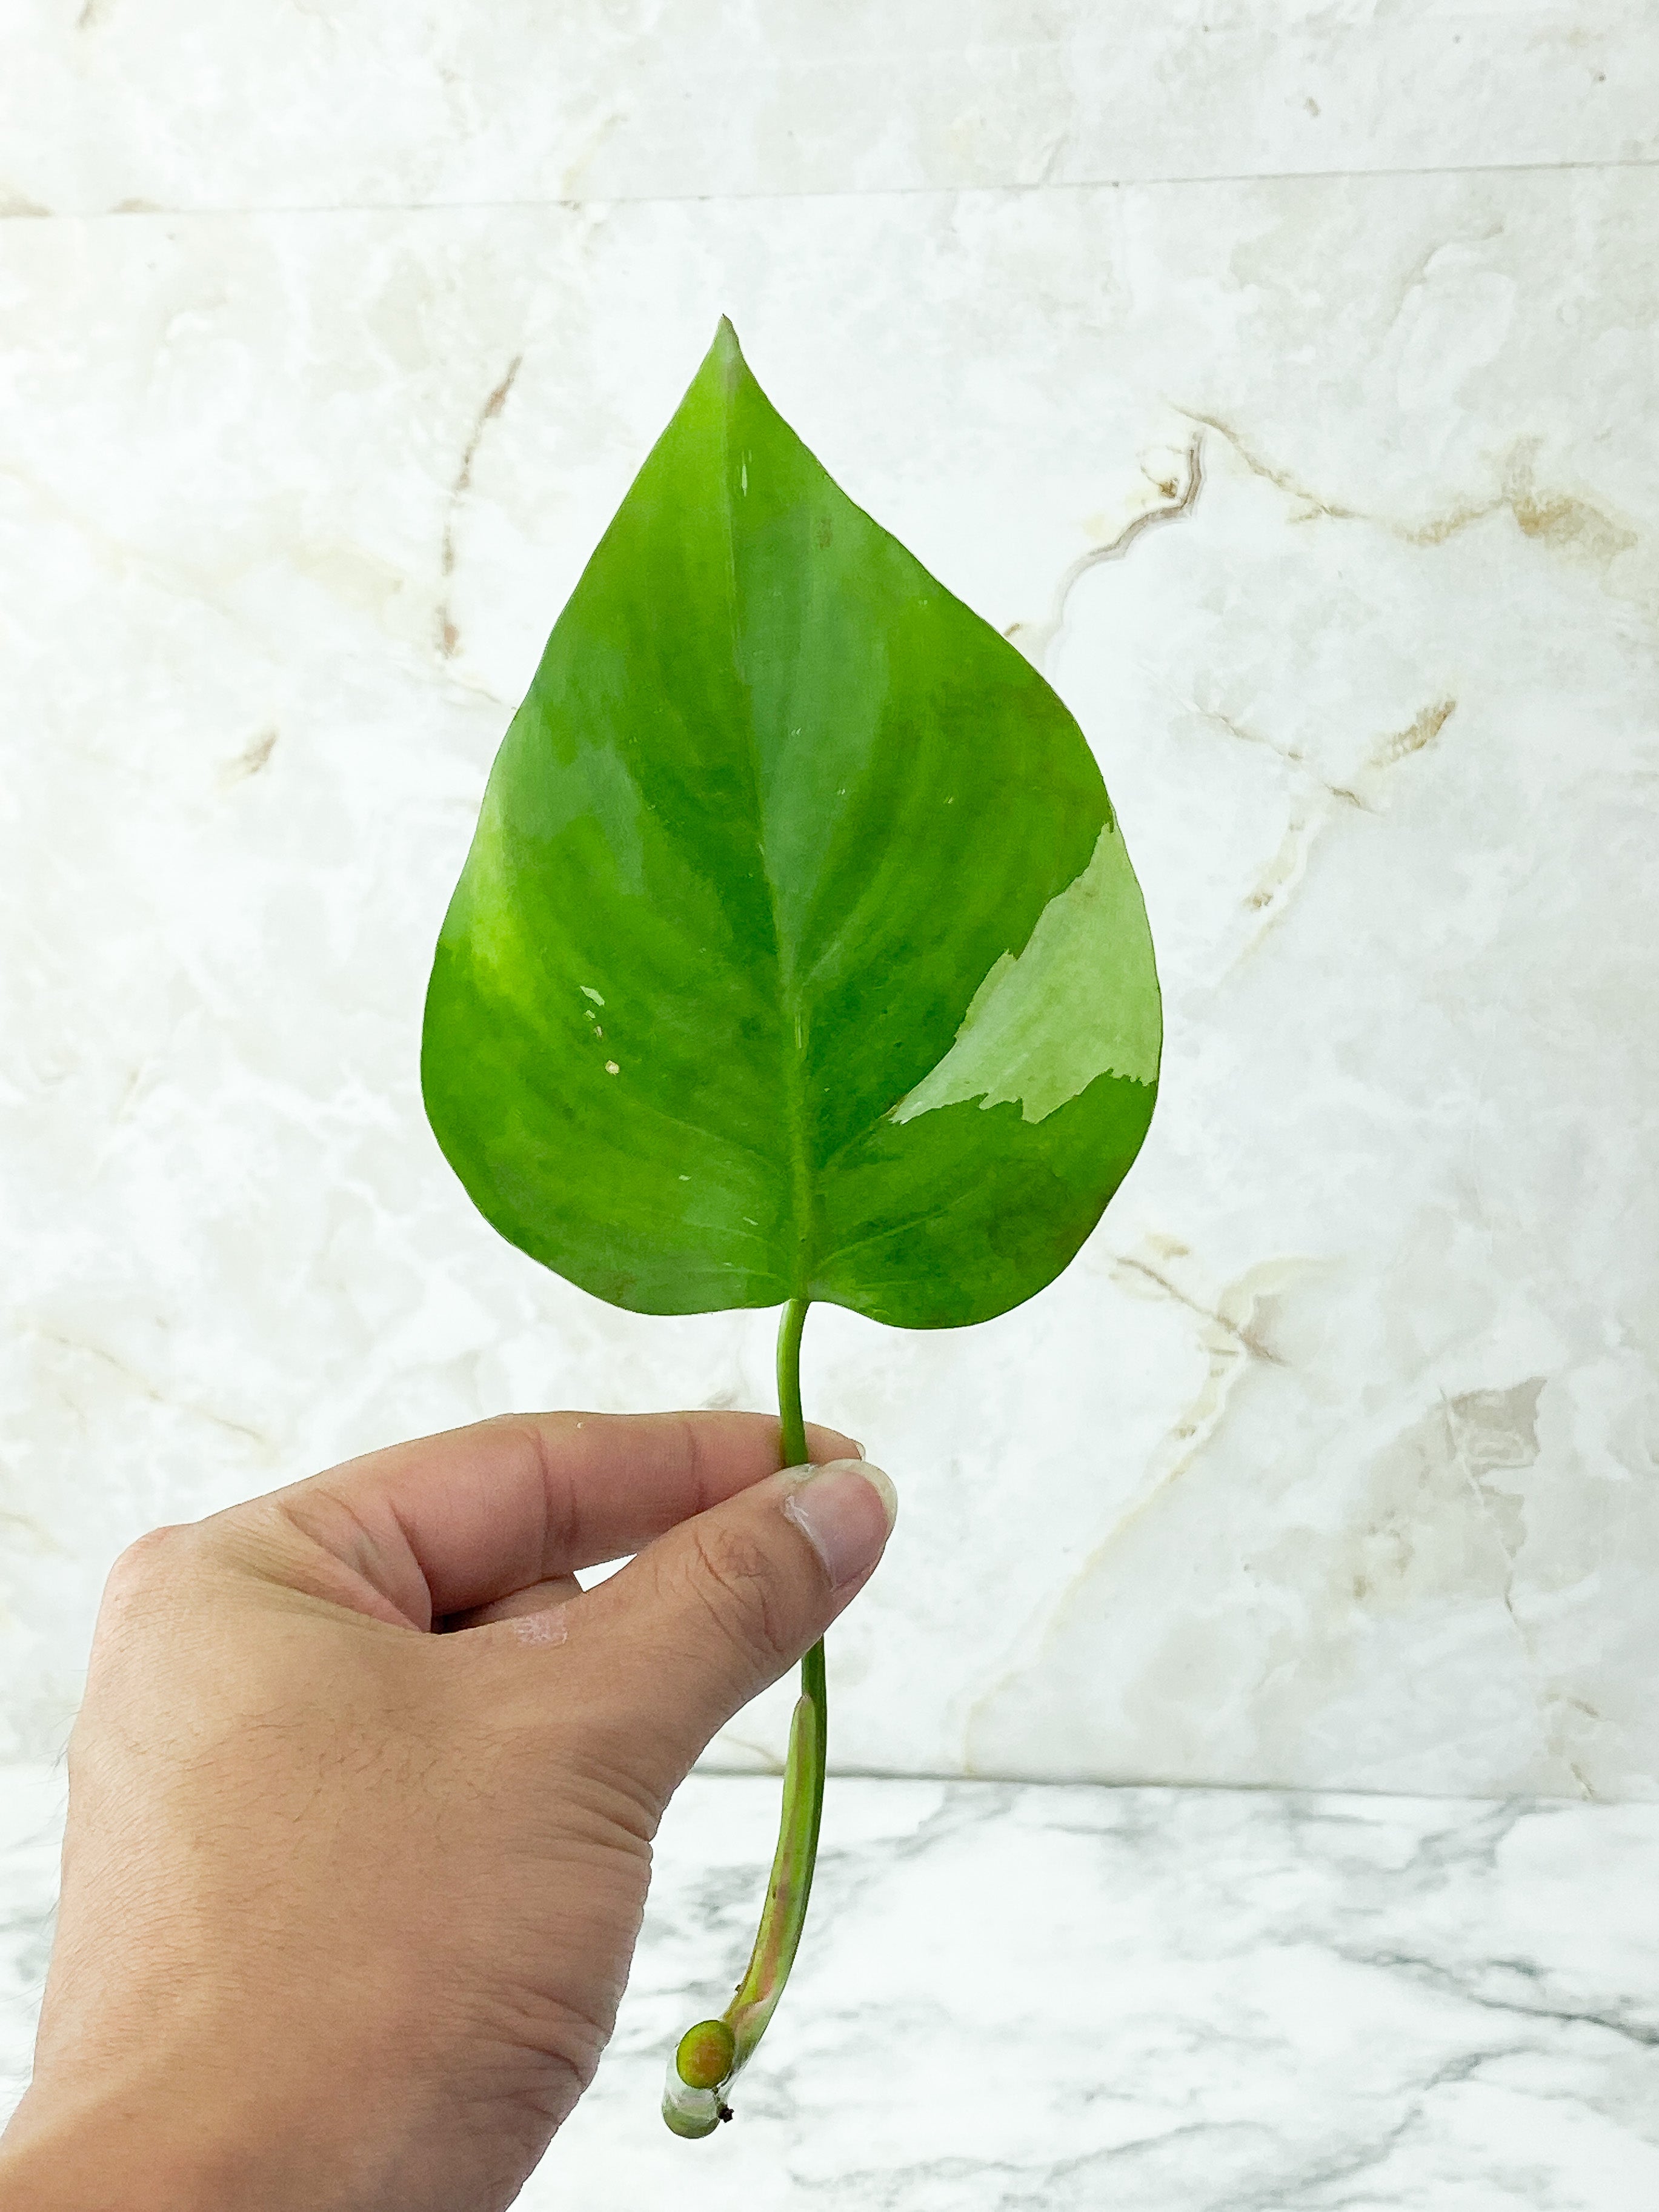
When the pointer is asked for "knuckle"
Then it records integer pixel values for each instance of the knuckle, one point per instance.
(145, 1561)
(733, 1575)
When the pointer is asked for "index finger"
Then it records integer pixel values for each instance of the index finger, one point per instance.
(456, 1521)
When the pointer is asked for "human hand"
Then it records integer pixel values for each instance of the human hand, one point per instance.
(347, 1905)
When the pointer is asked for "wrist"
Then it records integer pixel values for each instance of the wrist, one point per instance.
(90, 2170)
(114, 2153)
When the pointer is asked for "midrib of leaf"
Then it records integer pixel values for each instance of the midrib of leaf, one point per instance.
(791, 1056)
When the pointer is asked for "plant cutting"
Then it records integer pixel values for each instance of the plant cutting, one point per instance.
(797, 956)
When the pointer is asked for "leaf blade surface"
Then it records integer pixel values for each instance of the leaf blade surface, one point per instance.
(797, 953)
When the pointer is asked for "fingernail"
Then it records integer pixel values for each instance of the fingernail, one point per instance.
(845, 1510)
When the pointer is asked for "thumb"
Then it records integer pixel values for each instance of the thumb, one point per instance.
(719, 1607)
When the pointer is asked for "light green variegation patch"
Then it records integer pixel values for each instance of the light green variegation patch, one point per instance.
(1072, 1006)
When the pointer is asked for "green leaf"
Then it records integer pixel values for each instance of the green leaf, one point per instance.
(798, 953)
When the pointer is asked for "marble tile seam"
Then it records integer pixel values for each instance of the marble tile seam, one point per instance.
(146, 210)
(1291, 1792)
(1296, 1792)
(1297, 1797)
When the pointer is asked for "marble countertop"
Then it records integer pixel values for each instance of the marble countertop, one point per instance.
(1071, 1996)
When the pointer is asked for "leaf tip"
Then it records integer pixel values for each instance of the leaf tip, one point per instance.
(726, 353)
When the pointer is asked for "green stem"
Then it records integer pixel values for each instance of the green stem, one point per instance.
(709, 2057)
(789, 1414)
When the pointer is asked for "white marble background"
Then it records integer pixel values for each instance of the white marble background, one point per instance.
(1017, 1998)
(329, 338)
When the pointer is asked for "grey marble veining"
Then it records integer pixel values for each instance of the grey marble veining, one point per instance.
(1161, 2000)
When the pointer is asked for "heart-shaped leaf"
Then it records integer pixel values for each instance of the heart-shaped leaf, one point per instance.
(797, 954)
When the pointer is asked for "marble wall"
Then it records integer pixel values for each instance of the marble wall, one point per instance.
(329, 338)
